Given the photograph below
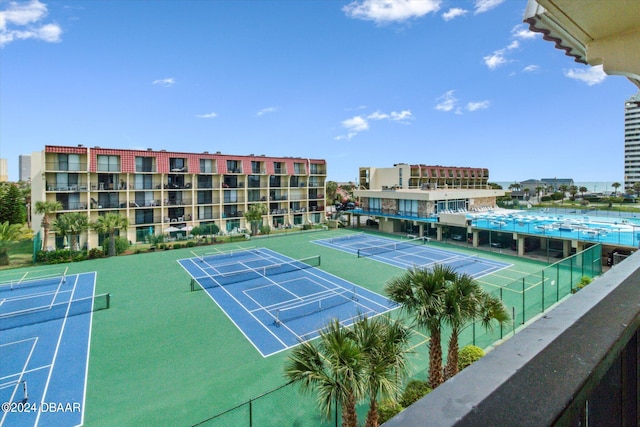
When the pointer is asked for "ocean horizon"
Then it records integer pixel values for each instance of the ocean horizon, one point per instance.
(592, 186)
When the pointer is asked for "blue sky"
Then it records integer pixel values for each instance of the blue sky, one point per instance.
(358, 83)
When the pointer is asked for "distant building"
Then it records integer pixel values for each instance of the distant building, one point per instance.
(4, 171)
(553, 184)
(632, 141)
(24, 163)
(414, 198)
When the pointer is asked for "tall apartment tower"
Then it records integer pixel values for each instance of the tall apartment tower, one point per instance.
(24, 161)
(632, 142)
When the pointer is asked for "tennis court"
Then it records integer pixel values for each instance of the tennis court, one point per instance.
(413, 252)
(277, 301)
(45, 328)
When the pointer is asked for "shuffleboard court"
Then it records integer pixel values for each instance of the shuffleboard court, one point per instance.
(277, 301)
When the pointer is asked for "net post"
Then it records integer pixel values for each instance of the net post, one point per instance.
(109, 300)
(25, 391)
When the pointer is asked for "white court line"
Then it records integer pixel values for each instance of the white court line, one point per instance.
(24, 367)
(55, 353)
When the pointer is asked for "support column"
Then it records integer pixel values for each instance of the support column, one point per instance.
(421, 229)
(439, 233)
(566, 248)
(520, 245)
(476, 238)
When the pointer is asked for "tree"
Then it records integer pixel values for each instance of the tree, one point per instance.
(333, 367)
(332, 188)
(384, 343)
(636, 188)
(421, 292)
(465, 303)
(11, 234)
(12, 207)
(71, 225)
(573, 190)
(583, 190)
(46, 209)
(254, 216)
(110, 224)
(539, 190)
(615, 186)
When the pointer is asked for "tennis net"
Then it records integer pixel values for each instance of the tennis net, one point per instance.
(26, 281)
(348, 237)
(389, 247)
(314, 306)
(456, 261)
(202, 257)
(54, 312)
(251, 273)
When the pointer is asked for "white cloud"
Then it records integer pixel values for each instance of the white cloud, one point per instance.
(531, 68)
(591, 76)
(207, 116)
(521, 31)
(385, 11)
(482, 6)
(454, 12)
(20, 21)
(475, 106)
(498, 57)
(358, 124)
(168, 82)
(266, 111)
(447, 101)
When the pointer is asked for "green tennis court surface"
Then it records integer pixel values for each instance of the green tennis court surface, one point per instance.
(165, 355)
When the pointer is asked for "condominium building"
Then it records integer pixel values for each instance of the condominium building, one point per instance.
(632, 142)
(24, 168)
(4, 171)
(408, 197)
(162, 190)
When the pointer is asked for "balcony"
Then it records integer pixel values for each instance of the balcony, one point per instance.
(578, 364)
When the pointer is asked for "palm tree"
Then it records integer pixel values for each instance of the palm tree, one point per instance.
(466, 302)
(384, 344)
(583, 190)
(573, 190)
(110, 224)
(45, 209)
(421, 292)
(71, 225)
(11, 234)
(539, 190)
(615, 186)
(254, 216)
(333, 367)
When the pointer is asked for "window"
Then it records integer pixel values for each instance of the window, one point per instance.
(254, 181)
(278, 167)
(205, 197)
(205, 212)
(256, 167)
(205, 181)
(144, 164)
(177, 165)
(206, 166)
(231, 196)
(408, 207)
(375, 204)
(144, 216)
(314, 168)
(143, 182)
(298, 168)
(233, 166)
(109, 163)
(274, 181)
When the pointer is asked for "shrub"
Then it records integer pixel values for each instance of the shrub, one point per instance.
(307, 227)
(177, 246)
(96, 253)
(191, 244)
(122, 244)
(467, 355)
(265, 229)
(584, 281)
(414, 390)
(387, 409)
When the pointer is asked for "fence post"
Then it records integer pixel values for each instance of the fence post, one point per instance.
(250, 412)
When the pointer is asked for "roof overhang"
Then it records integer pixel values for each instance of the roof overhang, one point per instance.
(593, 32)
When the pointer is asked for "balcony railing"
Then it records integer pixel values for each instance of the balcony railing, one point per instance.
(577, 365)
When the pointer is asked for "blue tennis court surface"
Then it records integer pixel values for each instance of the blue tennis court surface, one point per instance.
(277, 301)
(45, 328)
(411, 253)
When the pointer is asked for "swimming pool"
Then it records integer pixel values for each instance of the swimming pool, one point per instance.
(614, 231)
